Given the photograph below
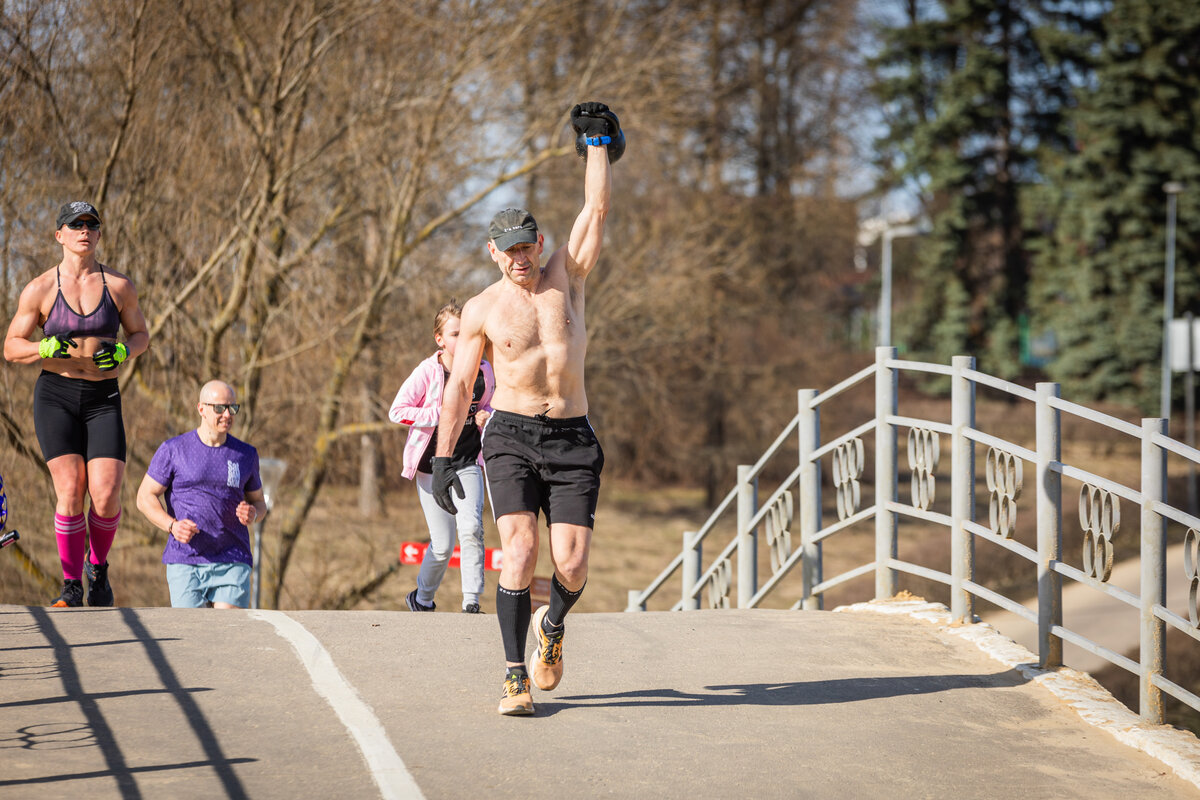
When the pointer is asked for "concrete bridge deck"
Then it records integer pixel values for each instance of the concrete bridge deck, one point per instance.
(173, 703)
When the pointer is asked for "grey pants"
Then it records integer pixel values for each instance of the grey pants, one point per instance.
(467, 523)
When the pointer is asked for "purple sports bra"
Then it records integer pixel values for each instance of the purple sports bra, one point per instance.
(104, 321)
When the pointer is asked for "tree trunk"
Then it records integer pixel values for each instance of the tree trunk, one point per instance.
(370, 480)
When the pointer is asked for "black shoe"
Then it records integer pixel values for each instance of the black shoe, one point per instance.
(71, 595)
(415, 605)
(100, 591)
(472, 608)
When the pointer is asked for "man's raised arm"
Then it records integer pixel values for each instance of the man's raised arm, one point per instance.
(599, 130)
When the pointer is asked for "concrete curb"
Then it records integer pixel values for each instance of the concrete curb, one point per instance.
(1177, 749)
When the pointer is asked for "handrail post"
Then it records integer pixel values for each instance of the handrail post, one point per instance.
(811, 570)
(1049, 525)
(886, 403)
(692, 558)
(962, 490)
(747, 547)
(1154, 569)
(634, 602)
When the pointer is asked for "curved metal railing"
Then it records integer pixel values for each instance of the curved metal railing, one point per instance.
(795, 505)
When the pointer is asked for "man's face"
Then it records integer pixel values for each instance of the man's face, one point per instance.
(212, 419)
(521, 262)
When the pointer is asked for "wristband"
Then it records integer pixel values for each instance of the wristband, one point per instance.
(597, 141)
(110, 355)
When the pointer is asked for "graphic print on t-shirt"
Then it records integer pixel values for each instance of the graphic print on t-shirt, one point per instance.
(233, 475)
(476, 396)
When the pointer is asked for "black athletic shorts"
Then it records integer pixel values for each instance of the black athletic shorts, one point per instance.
(533, 463)
(73, 416)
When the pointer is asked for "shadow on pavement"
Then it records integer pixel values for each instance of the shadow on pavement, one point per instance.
(793, 693)
(95, 731)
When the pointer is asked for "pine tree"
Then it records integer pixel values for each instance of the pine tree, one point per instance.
(1101, 279)
(977, 91)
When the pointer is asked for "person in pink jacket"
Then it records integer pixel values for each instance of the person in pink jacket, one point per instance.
(418, 405)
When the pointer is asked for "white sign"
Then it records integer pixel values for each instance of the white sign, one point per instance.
(1179, 344)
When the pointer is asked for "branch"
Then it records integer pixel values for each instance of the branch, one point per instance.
(38, 74)
(131, 87)
(352, 597)
(19, 441)
(175, 303)
(33, 569)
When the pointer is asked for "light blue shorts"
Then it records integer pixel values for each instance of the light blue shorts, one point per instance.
(196, 585)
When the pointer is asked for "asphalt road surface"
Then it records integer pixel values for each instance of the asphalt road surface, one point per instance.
(180, 703)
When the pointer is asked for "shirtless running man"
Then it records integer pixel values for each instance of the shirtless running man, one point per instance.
(539, 450)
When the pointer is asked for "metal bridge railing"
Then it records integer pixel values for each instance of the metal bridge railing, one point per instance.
(795, 505)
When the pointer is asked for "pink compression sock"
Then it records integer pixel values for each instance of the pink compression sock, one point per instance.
(102, 531)
(69, 531)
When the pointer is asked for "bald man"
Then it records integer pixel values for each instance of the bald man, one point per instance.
(212, 491)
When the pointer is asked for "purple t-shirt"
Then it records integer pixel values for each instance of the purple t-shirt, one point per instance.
(205, 484)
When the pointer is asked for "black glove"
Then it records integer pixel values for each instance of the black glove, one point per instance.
(109, 355)
(595, 123)
(444, 477)
(55, 347)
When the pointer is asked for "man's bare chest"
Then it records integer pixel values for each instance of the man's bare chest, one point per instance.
(546, 321)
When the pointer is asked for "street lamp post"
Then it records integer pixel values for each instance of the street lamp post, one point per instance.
(1172, 188)
(270, 470)
(1189, 407)
(886, 229)
(885, 281)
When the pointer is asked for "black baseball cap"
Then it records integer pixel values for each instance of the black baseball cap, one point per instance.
(74, 210)
(512, 226)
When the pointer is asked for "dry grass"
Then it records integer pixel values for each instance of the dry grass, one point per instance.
(637, 533)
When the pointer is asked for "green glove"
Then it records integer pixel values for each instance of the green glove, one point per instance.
(109, 355)
(55, 347)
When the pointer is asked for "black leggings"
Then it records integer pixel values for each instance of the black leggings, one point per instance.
(73, 416)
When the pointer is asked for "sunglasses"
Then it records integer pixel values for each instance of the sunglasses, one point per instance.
(220, 408)
(80, 224)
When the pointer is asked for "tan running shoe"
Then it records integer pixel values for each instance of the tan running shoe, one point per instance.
(516, 700)
(548, 660)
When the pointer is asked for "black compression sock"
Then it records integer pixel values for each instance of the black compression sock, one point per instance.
(512, 612)
(561, 600)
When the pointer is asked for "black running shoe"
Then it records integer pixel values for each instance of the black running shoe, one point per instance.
(71, 595)
(472, 608)
(100, 591)
(415, 605)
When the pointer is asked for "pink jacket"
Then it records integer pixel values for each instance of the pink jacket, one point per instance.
(418, 404)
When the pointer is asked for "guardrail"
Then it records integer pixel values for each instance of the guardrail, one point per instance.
(1099, 515)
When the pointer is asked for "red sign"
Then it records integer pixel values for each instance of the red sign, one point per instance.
(414, 552)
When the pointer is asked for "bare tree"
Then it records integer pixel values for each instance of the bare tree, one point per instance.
(295, 187)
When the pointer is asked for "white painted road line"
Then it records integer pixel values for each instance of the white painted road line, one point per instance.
(392, 777)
